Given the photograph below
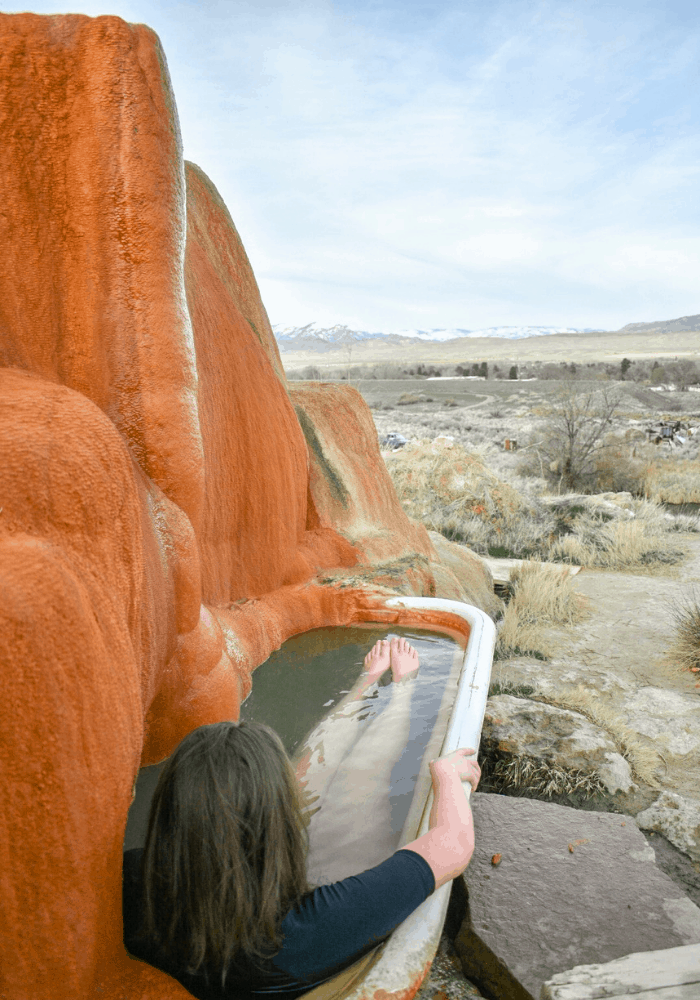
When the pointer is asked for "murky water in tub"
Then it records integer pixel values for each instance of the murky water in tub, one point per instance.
(359, 760)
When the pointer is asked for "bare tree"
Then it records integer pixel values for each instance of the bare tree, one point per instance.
(574, 433)
(683, 373)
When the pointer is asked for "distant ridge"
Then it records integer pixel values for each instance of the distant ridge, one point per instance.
(320, 339)
(684, 324)
(315, 338)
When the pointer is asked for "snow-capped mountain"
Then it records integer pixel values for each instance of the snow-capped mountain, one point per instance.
(313, 337)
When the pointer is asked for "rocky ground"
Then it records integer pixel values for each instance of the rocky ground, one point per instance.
(611, 722)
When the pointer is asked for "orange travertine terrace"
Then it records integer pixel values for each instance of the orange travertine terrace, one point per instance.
(171, 509)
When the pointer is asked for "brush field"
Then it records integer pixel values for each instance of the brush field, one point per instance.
(456, 477)
(480, 415)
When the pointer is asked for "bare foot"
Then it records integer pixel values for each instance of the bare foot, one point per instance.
(377, 660)
(404, 659)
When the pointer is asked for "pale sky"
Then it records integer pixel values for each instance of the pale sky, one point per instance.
(445, 163)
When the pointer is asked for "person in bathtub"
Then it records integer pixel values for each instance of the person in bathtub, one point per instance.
(220, 897)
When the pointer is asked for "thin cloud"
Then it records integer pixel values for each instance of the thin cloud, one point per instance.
(391, 165)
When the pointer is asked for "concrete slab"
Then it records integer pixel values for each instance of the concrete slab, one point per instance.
(501, 568)
(570, 888)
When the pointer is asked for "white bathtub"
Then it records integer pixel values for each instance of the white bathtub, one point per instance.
(407, 954)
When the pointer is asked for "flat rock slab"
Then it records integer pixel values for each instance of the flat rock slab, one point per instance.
(571, 888)
(672, 974)
(670, 718)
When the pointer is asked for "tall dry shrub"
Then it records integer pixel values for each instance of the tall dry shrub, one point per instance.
(685, 646)
(623, 543)
(569, 443)
(543, 596)
(453, 492)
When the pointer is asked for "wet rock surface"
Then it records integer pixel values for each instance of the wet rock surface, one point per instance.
(571, 888)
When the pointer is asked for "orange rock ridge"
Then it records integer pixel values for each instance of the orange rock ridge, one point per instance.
(172, 511)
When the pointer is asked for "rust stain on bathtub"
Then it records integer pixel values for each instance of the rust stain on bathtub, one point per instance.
(409, 991)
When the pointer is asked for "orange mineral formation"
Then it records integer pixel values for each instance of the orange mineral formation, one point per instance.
(169, 515)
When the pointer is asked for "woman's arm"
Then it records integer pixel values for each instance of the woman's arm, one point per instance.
(449, 843)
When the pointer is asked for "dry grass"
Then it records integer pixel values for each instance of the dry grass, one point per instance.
(629, 543)
(444, 486)
(542, 778)
(673, 481)
(543, 596)
(685, 647)
(452, 491)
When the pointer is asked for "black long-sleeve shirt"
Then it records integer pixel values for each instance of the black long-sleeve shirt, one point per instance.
(329, 929)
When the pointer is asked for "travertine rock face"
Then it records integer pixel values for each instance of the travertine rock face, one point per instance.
(93, 594)
(93, 231)
(254, 452)
(349, 486)
(167, 518)
(474, 580)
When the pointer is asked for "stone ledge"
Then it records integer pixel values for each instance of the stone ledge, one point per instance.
(571, 888)
(671, 974)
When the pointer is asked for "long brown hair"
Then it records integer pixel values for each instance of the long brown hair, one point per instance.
(225, 854)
